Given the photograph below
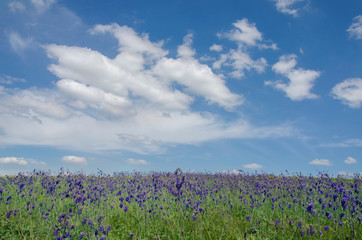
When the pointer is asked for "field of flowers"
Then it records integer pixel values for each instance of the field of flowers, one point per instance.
(178, 205)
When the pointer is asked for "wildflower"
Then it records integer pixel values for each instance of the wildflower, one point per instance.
(344, 202)
(312, 230)
(81, 235)
(131, 235)
(310, 206)
(125, 209)
(299, 224)
(248, 218)
(341, 224)
(326, 228)
(320, 232)
(277, 223)
(281, 206)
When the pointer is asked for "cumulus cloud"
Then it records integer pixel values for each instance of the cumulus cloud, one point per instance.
(321, 162)
(74, 160)
(355, 30)
(139, 101)
(349, 92)
(16, 6)
(136, 161)
(245, 35)
(252, 166)
(216, 48)
(288, 6)
(350, 160)
(13, 161)
(18, 43)
(301, 81)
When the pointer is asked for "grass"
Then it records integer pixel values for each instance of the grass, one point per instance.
(179, 206)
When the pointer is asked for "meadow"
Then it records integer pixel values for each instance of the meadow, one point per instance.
(40, 205)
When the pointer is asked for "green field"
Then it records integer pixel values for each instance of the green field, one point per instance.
(179, 205)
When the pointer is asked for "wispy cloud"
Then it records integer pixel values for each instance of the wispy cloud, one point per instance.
(301, 81)
(350, 160)
(42, 5)
(6, 79)
(18, 43)
(290, 6)
(355, 30)
(136, 161)
(38, 162)
(349, 92)
(13, 161)
(321, 162)
(16, 6)
(347, 143)
(74, 160)
(252, 166)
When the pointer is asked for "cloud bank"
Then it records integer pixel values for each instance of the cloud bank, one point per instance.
(140, 100)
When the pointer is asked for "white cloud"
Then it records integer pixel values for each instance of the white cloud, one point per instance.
(38, 163)
(321, 162)
(241, 61)
(288, 6)
(18, 43)
(95, 97)
(13, 161)
(136, 161)
(216, 48)
(286, 64)
(349, 92)
(346, 143)
(252, 166)
(42, 5)
(74, 160)
(245, 35)
(350, 160)
(185, 50)
(15, 6)
(6, 79)
(301, 81)
(355, 30)
(31, 103)
(138, 101)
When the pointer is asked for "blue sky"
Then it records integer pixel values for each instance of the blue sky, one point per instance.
(266, 85)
